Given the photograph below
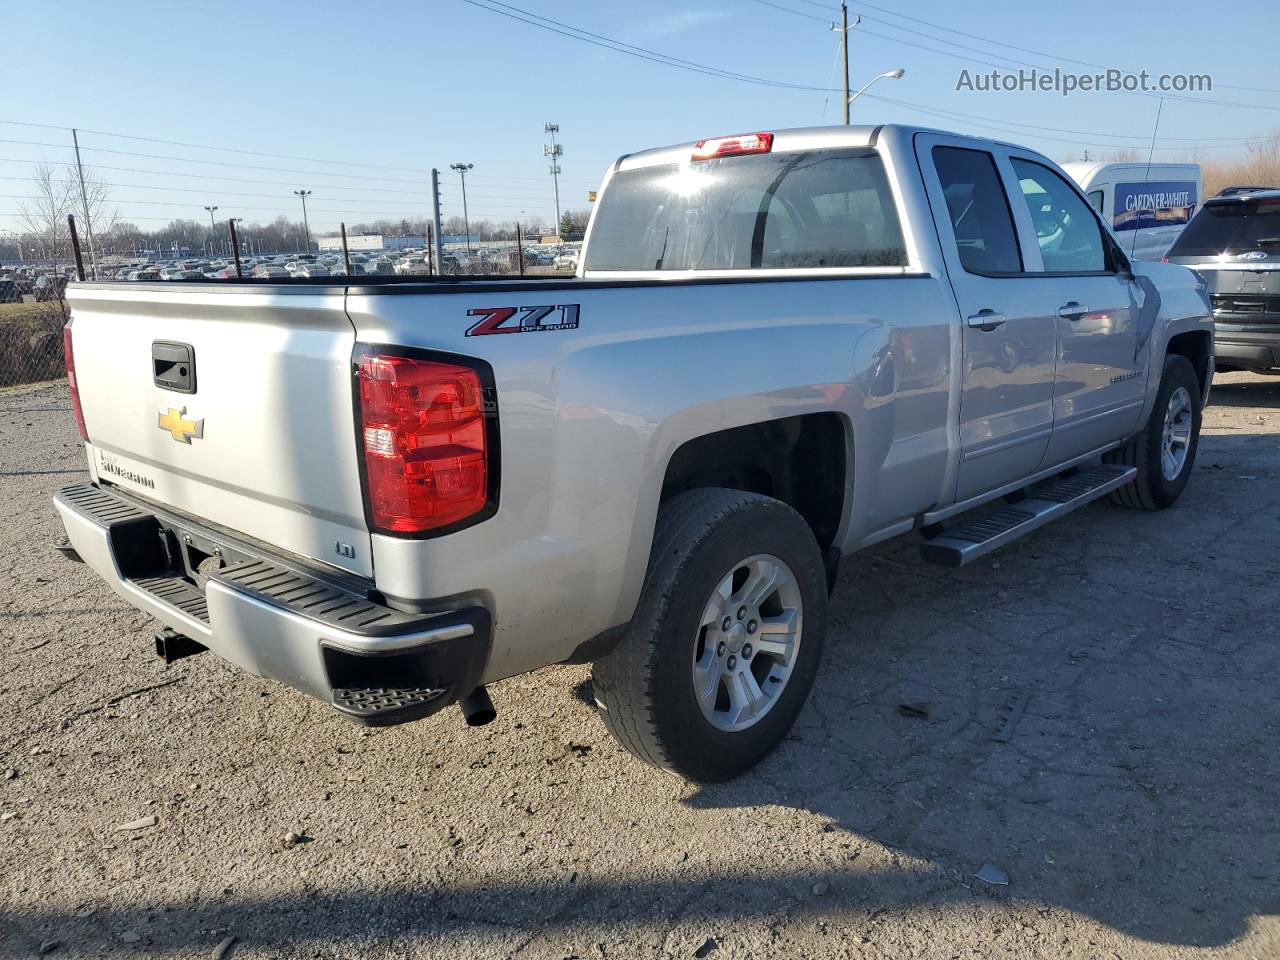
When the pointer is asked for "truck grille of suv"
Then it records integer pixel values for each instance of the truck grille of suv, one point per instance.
(1245, 308)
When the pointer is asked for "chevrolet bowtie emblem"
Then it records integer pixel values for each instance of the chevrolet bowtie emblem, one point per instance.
(179, 427)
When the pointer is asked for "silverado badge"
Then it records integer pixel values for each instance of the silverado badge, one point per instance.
(179, 427)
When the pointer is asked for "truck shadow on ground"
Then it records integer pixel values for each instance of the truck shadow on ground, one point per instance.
(1088, 710)
(1258, 392)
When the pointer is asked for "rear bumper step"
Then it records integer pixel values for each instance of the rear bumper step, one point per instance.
(274, 616)
(967, 542)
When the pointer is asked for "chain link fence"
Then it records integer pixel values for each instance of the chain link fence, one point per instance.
(31, 340)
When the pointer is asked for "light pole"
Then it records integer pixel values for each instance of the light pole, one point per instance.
(887, 75)
(213, 229)
(306, 226)
(462, 169)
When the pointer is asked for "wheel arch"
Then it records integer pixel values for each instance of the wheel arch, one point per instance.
(803, 460)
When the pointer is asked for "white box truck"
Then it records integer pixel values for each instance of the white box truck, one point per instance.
(1146, 204)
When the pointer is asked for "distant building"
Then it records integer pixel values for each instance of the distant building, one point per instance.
(373, 241)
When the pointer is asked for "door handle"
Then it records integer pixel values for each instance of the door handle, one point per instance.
(1072, 311)
(985, 320)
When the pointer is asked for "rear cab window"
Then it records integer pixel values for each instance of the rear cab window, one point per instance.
(798, 210)
(979, 211)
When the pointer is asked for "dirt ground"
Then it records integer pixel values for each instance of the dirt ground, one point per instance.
(1094, 711)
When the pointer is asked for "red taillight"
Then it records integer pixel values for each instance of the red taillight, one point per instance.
(425, 442)
(70, 357)
(733, 146)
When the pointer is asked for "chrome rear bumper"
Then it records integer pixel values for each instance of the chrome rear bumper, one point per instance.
(273, 615)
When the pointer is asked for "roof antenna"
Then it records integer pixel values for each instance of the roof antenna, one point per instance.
(1147, 176)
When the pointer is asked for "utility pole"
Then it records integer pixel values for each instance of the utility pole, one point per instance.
(435, 218)
(306, 226)
(843, 30)
(555, 152)
(462, 169)
(84, 199)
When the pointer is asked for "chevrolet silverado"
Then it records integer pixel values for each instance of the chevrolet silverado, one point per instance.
(779, 348)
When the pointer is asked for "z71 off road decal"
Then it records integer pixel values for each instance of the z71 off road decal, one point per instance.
(523, 319)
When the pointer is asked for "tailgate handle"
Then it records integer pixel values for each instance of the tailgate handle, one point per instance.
(174, 366)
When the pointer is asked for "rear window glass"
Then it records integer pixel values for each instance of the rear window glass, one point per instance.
(1236, 227)
(829, 208)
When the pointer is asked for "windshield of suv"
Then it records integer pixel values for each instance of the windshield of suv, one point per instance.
(1236, 227)
(830, 208)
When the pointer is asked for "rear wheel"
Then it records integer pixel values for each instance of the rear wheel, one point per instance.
(1165, 451)
(726, 639)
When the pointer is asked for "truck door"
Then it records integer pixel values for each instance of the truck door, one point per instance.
(1009, 337)
(1094, 303)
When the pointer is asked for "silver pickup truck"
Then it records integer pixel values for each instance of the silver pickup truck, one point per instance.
(780, 348)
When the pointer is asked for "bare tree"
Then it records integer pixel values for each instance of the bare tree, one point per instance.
(57, 193)
(44, 216)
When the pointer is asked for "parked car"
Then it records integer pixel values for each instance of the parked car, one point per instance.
(51, 286)
(9, 292)
(872, 332)
(311, 269)
(267, 271)
(415, 265)
(1234, 243)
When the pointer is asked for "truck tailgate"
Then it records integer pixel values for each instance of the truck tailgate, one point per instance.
(260, 438)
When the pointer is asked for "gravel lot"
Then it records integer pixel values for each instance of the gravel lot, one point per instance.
(1101, 723)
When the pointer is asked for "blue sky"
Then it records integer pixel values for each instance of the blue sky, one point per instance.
(402, 87)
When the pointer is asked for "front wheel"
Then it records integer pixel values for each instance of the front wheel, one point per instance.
(1165, 451)
(726, 639)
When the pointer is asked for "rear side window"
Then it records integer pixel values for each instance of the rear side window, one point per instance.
(1066, 229)
(979, 210)
(830, 208)
(1239, 226)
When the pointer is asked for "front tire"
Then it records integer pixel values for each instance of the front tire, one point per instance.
(726, 639)
(1165, 451)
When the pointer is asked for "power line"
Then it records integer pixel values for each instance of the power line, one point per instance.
(990, 125)
(798, 13)
(206, 146)
(618, 46)
(212, 163)
(211, 176)
(1013, 60)
(952, 114)
(1013, 46)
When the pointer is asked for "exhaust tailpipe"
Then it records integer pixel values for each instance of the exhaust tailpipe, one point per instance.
(477, 709)
(171, 646)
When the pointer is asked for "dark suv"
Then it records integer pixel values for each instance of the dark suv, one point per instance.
(1234, 242)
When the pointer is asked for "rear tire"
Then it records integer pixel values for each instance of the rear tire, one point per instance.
(1165, 451)
(707, 679)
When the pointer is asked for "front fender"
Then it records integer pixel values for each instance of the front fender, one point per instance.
(1182, 306)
